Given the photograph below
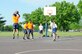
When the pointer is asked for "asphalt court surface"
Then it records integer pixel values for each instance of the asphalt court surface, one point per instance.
(63, 45)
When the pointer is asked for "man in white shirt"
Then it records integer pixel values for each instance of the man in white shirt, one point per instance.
(41, 30)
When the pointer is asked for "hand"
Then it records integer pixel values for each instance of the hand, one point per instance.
(18, 15)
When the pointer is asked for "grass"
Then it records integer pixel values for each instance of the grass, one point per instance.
(6, 34)
(69, 33)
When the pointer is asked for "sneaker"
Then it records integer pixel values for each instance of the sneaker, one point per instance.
(24, 38)
(54, 40)
(28, 38)
(58, 36)
(13, 36)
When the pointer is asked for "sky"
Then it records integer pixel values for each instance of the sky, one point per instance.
(7, 7)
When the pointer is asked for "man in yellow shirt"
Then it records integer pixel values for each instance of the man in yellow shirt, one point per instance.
(30, 29)
(25, 30)
(15, 19)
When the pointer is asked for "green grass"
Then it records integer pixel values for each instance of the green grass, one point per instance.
(69, 33)
(37, 34)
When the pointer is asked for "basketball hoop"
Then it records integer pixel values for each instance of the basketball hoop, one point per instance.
(49, 11)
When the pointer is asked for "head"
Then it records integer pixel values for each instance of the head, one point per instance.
(14, 15)
(16, 12)
(26, 22)
(53, 21)
(40, 24)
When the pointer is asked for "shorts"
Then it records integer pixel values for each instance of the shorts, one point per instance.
(15, 26)
(25, 31)
(54, 30)
(30, 31)
(41, 31)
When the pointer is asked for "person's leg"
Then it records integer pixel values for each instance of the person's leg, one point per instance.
(57, 34)
(13, 33)
(17, 30)
(14, 30)
(17, 33)
(24, 34)
(53, 36)
(27, 34)
(32, 34)
(40, 34)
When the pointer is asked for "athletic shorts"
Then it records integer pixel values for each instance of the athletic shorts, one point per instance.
(25, 31)
(41, 31)
(54, 30)
(15, 26)
(30, 31)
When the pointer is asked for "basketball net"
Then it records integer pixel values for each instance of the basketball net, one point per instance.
(49, 12)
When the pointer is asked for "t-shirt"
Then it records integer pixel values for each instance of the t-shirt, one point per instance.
(15, 19)
(30, 25)
(40, 27)
(54, 25)
(25, 26)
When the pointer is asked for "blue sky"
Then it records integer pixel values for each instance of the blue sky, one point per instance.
(7, 7)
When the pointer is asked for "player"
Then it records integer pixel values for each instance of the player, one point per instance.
(15, 19)
(25, 30)
(41, 29)
(30, 29)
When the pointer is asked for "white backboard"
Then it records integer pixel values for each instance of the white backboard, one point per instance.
(49, 11)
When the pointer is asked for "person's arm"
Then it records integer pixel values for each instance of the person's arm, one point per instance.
(19, 15)
(14, 15)
(56, 25)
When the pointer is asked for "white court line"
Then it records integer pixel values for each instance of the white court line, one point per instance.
(29, 51)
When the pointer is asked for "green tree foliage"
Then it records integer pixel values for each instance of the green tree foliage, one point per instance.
(80, 7)
(37, 16)
(74, 26)
(8, 28)
(26, 17)
(20, 27)
(2, 22)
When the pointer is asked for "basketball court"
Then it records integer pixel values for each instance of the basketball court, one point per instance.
(63, 45)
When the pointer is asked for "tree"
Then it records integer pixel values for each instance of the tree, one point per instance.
(26, 16)
(37, 16)
(8, 28)
(80, 7)
(2, 22)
